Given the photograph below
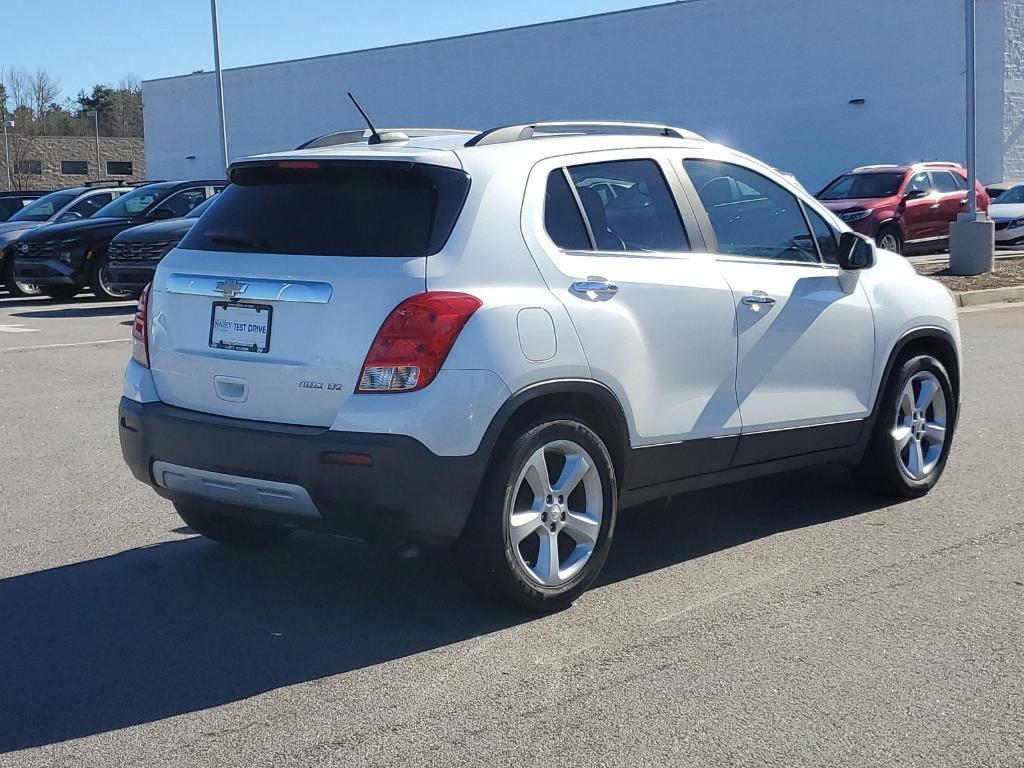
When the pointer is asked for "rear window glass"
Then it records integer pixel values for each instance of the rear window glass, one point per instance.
(334, 209)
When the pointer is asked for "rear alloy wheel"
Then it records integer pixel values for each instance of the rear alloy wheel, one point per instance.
(889, 240)
(101, 281)
(546, 517)
(913, 431)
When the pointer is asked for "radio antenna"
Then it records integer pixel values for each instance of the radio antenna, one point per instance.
(374, 134)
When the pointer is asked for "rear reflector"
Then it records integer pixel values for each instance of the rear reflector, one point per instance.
(346, 459)
(412, 344)
(140, 329)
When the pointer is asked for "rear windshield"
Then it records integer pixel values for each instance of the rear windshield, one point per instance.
(334, 209)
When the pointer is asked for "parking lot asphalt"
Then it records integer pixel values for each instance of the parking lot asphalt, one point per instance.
(790, 621)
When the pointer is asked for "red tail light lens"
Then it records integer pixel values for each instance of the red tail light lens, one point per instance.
(412, 344)
(140, 329)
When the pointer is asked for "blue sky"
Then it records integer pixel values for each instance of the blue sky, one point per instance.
(102, 40)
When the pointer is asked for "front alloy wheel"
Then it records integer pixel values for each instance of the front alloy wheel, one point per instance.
(920, 430)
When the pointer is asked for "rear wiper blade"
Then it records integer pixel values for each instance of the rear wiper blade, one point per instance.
(233, 237)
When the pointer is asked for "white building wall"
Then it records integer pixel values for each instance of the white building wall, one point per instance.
(1013, 97)
(770, 77)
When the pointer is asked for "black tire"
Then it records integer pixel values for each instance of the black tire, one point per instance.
(890, 234)
(15, 288)
(486, 550)
(230, 530)
(61, 292)
(882, 469)
(98, 280)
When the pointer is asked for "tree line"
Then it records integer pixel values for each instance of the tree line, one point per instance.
(33, 101)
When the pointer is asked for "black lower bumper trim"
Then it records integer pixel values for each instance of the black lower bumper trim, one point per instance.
(408, 493)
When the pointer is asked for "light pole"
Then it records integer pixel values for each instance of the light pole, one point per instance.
(7, 155)
(972, 236)
(218, 75)
(95, 114)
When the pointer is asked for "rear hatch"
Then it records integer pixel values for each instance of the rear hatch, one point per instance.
(267, 308)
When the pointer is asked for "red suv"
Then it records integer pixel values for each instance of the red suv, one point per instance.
(902, 207)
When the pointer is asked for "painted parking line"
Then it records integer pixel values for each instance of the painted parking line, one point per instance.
(17, 329)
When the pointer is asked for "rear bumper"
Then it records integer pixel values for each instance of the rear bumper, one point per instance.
(407, 493)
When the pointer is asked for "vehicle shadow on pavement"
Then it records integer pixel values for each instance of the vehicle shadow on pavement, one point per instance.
(185, 625)
(102, 310)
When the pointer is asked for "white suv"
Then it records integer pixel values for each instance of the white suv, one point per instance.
(500, 340)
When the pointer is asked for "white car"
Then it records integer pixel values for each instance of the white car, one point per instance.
(1007, 211)
(501, 340)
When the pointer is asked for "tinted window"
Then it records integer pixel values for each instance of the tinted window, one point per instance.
(181, 203)
(74, 167)
(88, 206)
(134, 203)
(8, 206)
(562, 217)
(43, 208)
(119, 168)
(334, 209)
(828, 240)
(629, 206)
(1012, 195)
(919, 181)
(860, 185)
(750, 214)
(961, 182)
(943, 181)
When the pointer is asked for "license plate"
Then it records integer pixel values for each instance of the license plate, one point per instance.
(241, 326)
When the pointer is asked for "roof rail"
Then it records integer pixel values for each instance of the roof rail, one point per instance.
(121, 182)
(361, 135)
(509, 133)
(876, 167)
(936, 164)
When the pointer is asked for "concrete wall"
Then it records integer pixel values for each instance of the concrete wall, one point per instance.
(1013, 97)
(771, 77)
(49, 151)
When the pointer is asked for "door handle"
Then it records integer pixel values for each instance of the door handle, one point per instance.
(758, 300)
(594, 288)
(934, 207)
(964, 201)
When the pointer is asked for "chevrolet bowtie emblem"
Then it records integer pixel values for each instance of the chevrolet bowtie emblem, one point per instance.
(230, 288)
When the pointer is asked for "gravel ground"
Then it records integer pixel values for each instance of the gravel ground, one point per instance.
(1007, 273)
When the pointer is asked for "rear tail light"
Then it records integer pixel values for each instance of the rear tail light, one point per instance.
(412, 344)
(140, 329)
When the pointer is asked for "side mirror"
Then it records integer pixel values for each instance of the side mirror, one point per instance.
(161, 214)
(855, 252)
(914, 194)
(70, 216)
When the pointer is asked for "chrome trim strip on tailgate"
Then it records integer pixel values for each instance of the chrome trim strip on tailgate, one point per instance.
(285, 498)
(246, 289)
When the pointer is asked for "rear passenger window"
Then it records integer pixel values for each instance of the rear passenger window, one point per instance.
(944, 182)
(750, 214)
(629, 207)
(562, 217)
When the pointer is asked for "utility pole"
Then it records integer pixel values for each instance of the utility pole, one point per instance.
(972, 236)
(220, 86)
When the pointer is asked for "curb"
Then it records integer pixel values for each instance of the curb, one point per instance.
(989, 296)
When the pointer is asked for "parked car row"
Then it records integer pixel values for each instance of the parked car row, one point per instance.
(59, 244)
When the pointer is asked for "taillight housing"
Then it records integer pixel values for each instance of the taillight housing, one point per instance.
(412, 344)
(140, 329)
